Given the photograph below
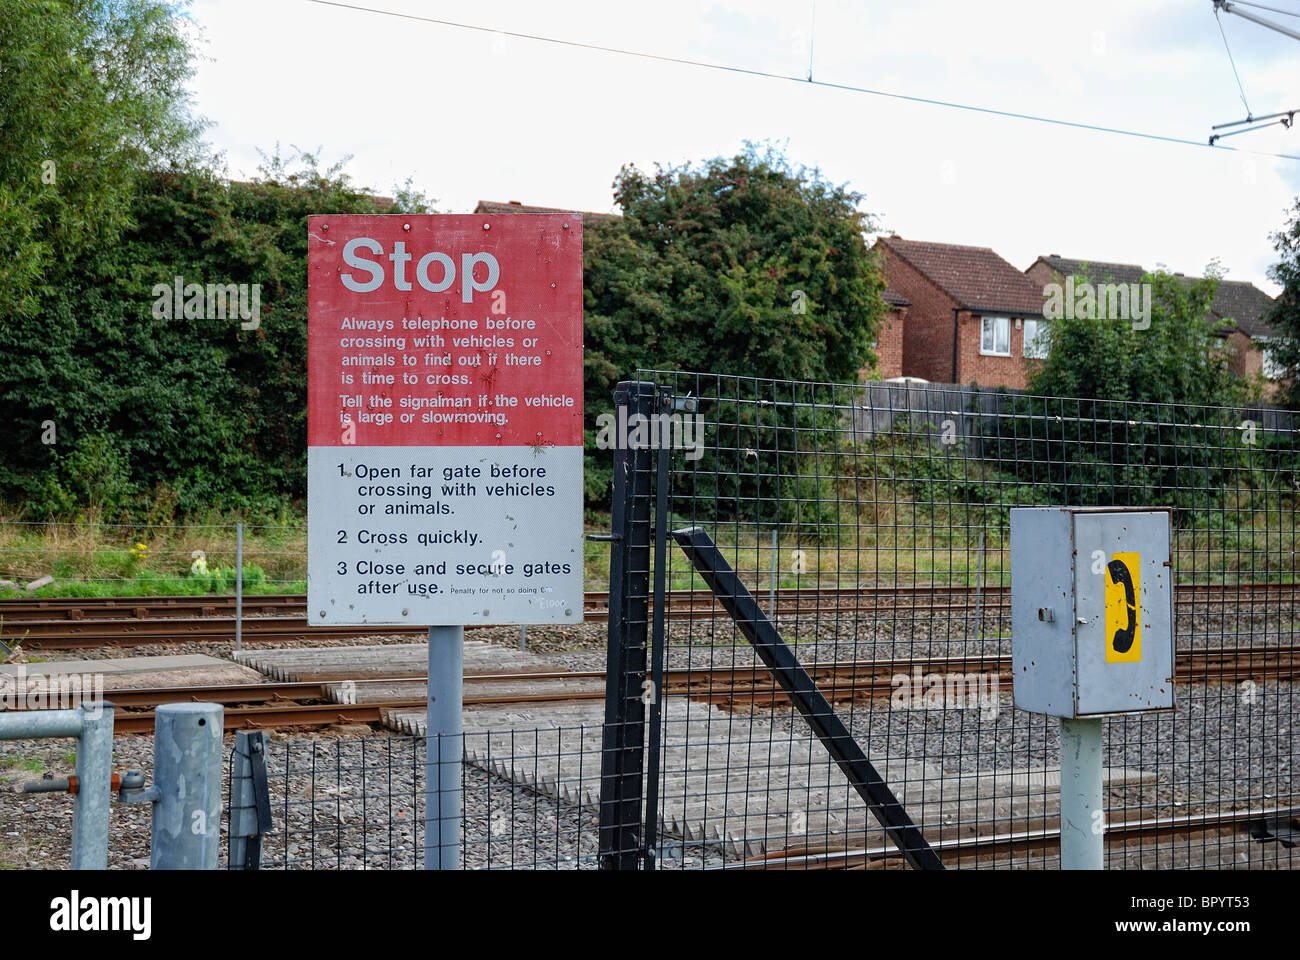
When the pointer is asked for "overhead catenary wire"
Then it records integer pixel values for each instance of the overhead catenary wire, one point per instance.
(844, 87)
(1287, 116)
(1240, 88)
(1285, 121)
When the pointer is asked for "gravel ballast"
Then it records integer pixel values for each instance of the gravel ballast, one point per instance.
(351, 803)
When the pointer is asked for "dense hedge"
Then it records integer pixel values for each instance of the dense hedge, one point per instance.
(743, 264)
(156, 417)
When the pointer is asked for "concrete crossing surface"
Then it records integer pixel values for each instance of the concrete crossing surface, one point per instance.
(384, 660)
(179, 670)
(748, 786)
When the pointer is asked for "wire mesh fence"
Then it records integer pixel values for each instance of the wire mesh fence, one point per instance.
(872, 546)
(881, 556)
(528, 801)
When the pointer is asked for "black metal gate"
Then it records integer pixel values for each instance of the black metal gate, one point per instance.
(630, 816)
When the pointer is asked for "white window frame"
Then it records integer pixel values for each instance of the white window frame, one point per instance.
(991, 323)
(1040, 327)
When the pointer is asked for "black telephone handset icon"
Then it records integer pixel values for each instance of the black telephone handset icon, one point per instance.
(1123, 638)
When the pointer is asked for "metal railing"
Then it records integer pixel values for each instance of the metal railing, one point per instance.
(528, 801)
(850, 705)
(186, 796)
(92, 725)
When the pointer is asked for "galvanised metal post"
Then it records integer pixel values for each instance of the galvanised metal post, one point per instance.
(92, 725)
(443, 748)
(186, 831)
(1082, 814)
(94, 787)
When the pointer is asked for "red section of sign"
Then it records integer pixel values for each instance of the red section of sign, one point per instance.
(445, 330)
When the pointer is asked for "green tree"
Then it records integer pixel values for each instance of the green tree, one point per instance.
(94, 94)
(746, 266)
(1132, 412)
(1178, 358)
(202, 412)
(1285, 315)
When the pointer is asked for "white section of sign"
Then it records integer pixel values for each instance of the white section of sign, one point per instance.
(444, 535)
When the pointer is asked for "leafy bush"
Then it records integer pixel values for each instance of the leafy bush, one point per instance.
(738, 265)
(1153, 416)
(166, 418)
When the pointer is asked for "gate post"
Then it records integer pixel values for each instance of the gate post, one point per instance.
(250, 801)
(94, 787)
(186, 830)
(622, 767)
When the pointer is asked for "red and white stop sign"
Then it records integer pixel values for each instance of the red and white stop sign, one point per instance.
(445, 419)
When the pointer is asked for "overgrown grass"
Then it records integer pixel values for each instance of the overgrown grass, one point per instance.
(92, 560)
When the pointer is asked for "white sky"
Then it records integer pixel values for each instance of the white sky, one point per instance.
(471, 115)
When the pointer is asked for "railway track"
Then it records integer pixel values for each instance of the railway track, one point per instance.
(309, 703)
(69, 624)
(1039, 842)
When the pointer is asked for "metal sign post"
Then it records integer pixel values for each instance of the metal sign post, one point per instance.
(444, 747)
(444, 442)
(239, 586)
(1082, 814)
(1092, 635)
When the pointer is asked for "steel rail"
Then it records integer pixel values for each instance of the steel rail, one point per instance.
(182, 607)
(74, 631)
(1028, 842)
(276, 703)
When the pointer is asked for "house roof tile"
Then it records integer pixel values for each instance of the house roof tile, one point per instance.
(1095, 270)
(1236, 300)
(976, 277)
(1246, 305)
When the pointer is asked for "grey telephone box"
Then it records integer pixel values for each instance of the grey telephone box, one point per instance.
(1092, 618)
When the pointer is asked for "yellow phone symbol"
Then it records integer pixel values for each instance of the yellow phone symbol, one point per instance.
(1123, 614)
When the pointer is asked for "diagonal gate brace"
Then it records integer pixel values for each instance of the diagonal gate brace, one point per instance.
(794, 680)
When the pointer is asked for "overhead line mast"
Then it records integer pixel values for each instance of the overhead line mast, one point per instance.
(1285, 117)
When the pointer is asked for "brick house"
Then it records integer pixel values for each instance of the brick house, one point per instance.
(889, 336)
(965, 315)
(1247, 306)
(1244, 304)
